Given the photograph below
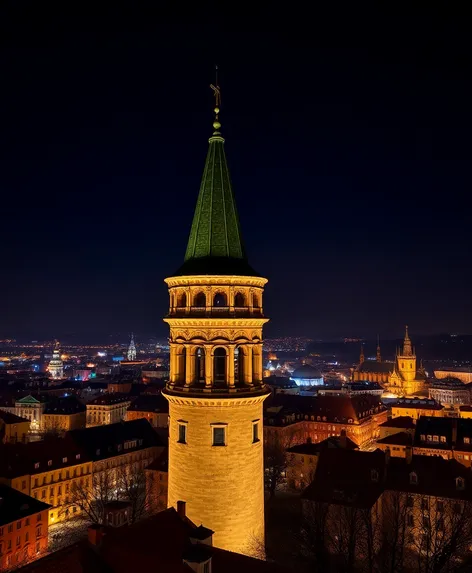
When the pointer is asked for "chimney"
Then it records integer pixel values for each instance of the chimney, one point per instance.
(181, 509)
(343, 439)
(95, 535)
(408, 454)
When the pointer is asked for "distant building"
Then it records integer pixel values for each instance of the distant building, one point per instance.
(153, 407)
(56, 366)
(396, 425)
(295, 419)
(32, 408)
(307, 375)
(63, 414)
(450, 391)
(464, 374)
(23, 528)
(401, 377)
(107, 409)
(282, 385)
(302, 459)
(131, 354)
(351, 388)
(416, 407)
(13, 428)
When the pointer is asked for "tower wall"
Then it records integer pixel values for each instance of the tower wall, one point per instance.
(223, 486)
(407, 367)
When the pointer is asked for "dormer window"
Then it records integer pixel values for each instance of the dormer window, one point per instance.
(64, 460)
(413, 478)
(460, 483)
(435, 438)
(430, 438)
(374, 475)
(443, 439)
(49, 462)
(36, 465)
(77, 456)
(423, 437)
(466, 440)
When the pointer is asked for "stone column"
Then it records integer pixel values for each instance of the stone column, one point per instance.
(257, 362)
(230, 365)
(248, 364)
(174, 370)
(189, 365)
(208, 365)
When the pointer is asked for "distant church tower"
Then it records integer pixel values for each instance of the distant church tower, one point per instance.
(56, 366)
(406, 360)
(132, 349)
(216, 390)
(379, 355)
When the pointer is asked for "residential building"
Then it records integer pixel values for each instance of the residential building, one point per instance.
(398, 444)
(157, 481)
(13, 428)
(302, 459)
(351, 388)
(46, 470)
(64, 414)
(123, 445)
(295, 419)
(32, 408)
(416, 407)
(107, 409)
(396, 425)
(450, 391)
(153, 407)
(23, 528)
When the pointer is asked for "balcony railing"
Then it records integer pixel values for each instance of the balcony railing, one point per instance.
(216, 311)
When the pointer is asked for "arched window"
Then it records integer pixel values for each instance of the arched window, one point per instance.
(239, 299)
(182, 300)
(255, 301)
(220, 299)
(182, 364)
(200, 300)
(200, 366)
(219, 365)
(240, 365)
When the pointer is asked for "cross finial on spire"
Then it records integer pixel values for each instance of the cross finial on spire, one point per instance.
(217, 92)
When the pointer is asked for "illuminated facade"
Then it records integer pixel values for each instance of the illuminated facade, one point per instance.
(401, 377)
(216, 391)
(56, 366)
(131, 350)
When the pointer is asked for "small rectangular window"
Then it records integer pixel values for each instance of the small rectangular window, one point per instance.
(255, 432)
(219, 436)
(182, 433)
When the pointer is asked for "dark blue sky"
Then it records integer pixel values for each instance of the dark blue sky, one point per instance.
(348, 139)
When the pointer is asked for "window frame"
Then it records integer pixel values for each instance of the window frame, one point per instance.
(256, 438)
(182, 424)
(219, 426)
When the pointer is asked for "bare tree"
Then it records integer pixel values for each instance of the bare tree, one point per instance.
(275, 462)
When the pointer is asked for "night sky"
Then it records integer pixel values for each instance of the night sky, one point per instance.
(348, 137)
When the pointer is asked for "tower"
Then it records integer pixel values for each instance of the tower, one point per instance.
(379, 356)
(361, 357)
(406, 359)
(56, 366)
(216, 390)
(131, 349)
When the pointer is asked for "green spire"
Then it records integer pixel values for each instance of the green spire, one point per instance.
(215, 229)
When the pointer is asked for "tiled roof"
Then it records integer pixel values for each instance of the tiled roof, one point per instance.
(334, 442)
(347, 477)
(161, 463)
(15, 505)
(102, 442)
(149, 403)
(417, 403)
(398, 439)
(38, 457)
(64, 406)
(10, 418)
(158, 544)
(372, 366)
(109, 399)
(405, 422)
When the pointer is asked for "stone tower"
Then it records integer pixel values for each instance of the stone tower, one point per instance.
(131, 355)
(406, 359)
(216, 391)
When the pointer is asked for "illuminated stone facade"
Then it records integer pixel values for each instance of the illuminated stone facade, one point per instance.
(215, 390)
(56, 366)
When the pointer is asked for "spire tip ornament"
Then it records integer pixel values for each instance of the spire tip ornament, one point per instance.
(217, 92)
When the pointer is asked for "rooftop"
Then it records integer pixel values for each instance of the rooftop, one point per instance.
(334, 442)
(158, 543)
(149, 403)
(418, 403)
(397, 439)
(399, 422)
(64, 406)
(109, 399)
(9, 418)
(15, 505)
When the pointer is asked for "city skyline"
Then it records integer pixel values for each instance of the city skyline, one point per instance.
(337, 158)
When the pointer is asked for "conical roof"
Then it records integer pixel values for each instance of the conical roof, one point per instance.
(215, 244)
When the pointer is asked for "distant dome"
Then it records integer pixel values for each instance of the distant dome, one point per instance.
(306, 372)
